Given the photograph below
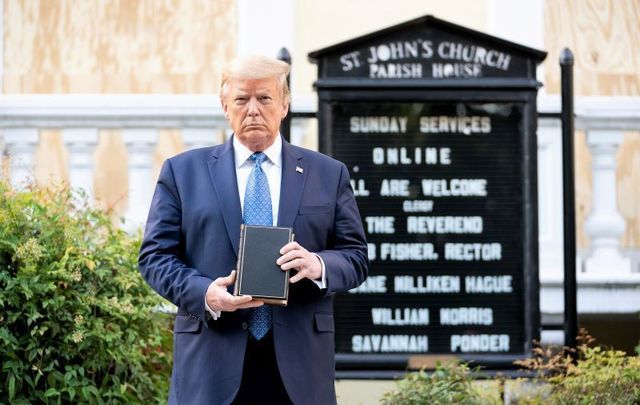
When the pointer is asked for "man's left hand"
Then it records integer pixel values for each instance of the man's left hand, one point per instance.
(298, 258)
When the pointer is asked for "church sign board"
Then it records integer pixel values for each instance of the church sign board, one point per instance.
(436, 124)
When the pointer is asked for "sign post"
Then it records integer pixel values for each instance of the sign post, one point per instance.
(436, 124)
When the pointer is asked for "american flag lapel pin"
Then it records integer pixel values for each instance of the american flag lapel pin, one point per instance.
(299, 169)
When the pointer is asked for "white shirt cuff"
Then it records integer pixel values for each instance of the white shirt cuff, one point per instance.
(214, 314)
(322, 283)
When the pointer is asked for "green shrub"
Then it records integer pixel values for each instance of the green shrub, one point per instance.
(77, 321)
(597, 376)
(447, 384)
(585, 375)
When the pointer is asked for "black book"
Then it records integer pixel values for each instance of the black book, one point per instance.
(258, 274)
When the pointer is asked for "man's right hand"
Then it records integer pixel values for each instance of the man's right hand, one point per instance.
(219, 299)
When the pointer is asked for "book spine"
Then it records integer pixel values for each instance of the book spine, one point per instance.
(236, 287)
(284, 302)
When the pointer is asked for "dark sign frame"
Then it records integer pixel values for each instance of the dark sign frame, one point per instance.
(520, 89)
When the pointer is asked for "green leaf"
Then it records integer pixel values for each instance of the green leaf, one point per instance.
(12, 387)
(86, 394)
(51, 392)
(51, 379)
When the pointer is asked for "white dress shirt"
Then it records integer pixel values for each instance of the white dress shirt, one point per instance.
(272, 167)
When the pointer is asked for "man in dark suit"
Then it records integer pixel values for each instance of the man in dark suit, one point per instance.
(230, 349)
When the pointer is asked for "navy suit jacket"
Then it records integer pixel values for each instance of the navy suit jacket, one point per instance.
(191, 238)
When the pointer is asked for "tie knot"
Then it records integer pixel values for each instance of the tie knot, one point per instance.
(259, 157)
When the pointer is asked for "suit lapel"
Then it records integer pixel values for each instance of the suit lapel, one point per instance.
(294, 175)
(222, 170)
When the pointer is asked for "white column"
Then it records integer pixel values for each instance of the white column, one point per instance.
(297, 134)
(253, 38)
(20, 144)
(605, 225)
(81, 143)
(550, 200)
(521, 22)
(517, 21)
(140, 144)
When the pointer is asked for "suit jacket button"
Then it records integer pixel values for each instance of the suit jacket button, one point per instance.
(244, 326)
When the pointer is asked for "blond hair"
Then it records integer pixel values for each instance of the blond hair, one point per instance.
(256, 67)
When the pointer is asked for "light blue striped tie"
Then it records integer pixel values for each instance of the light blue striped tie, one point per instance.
(257, 211)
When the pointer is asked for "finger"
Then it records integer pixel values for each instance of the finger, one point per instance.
(299, 276)
(288, 257)
(240, 299)
(232, 303)
(294, 264)
(251, 304)
(289, 247)
(225, 281)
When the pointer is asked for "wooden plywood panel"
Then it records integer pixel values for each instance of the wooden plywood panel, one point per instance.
(119, 46)
(604, 36)
(628, 179)
(51, 159)
(111, 178)
(169, 144)
(583, 182)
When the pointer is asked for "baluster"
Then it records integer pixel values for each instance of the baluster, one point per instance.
(20, 144)
(81, 143)
(605, 225)
(140, 143)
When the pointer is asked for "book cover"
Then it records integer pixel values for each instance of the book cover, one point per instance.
(258, 274)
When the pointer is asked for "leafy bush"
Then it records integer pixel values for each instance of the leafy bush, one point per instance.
(597, 376)
(447, 384)
(77, 321)
(562, 376)
(600, 377)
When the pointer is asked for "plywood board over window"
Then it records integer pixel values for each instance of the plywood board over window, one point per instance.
(119, 46)
(604, 36)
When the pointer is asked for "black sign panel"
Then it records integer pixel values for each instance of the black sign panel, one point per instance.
(436, 124)
(417, 55)
(427, 49)
(439, 189)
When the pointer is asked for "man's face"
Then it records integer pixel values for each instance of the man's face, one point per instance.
(254, 108)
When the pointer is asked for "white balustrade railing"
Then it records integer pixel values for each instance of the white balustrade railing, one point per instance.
(605, 123)
(608, 278)
(139, 118)
(200, 121)
(111, 111)
(604, 120)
